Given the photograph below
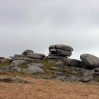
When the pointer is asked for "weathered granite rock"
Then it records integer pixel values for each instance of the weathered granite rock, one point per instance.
(53, 50)
(90, 60)
(42, 55)
(54, 68)
(88, 76)
(96, 69)
(36, 56)
(26, 52)
(33, 70)
(22, 57)
(59, 64)
(18, 62)
(64, 47)
(4, 60)
(59, 51)
(86, 79)
(53, 54)
(64, 53)
(36, 64)
(53, 57)
(14, 80)
(69, 78)
(83, 65)
(71, 62)
(96, 75)
(15, 68)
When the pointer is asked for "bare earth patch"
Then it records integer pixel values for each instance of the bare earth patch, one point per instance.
(47, 89)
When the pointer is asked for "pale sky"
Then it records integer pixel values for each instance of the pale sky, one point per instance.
(37, 24)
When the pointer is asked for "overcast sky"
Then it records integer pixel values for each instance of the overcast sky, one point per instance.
(37, 24)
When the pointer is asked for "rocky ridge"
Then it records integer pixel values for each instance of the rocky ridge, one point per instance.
(56, 65)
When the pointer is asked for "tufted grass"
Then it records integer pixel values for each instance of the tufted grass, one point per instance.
(46, 68)
(48, 64)
(5, 64)
(23, 66)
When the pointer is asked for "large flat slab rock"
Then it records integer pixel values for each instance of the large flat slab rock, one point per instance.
(64, 53)
(53, 50)
(36, 55)
(64, 47)
(21, 57)
(90, 60)
(61, 46)
(53, 57)
(71, 62)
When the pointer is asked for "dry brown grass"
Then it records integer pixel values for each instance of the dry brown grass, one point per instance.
(47, 89)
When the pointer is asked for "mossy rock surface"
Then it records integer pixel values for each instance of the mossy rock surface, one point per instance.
(23, 66)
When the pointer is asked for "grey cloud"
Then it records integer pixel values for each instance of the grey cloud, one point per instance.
(37, 24)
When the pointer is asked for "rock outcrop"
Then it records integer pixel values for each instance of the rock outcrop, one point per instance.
(27, 58)
(56, 63)
(28, 55)
(58, 51)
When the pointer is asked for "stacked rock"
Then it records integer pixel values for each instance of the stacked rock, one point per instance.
(26, 57)
(58, 51)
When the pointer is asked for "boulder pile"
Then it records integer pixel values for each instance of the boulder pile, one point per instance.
(27, 56)
(57, 63)
(57, 52)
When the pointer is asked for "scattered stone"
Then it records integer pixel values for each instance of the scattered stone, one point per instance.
(58, 73)
(14, 80)
(86, 79)
(59, 64)
(54, 68)
(62, 78)
(36, 64)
